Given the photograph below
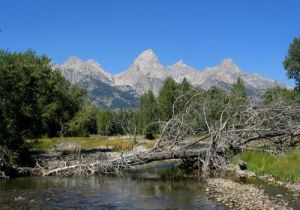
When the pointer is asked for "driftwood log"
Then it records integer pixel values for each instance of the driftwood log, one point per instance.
(115, 165)
(266, 127)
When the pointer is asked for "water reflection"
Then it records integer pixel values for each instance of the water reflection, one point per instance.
(138, 190)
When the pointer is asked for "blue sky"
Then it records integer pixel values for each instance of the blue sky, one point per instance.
(255, 33)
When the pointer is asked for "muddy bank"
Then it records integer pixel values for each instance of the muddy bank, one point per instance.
(242, 196)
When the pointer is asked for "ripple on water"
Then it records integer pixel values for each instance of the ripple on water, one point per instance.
(102, 192)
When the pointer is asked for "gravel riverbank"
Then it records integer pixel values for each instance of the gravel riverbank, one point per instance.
(242, 196)
(292, 187)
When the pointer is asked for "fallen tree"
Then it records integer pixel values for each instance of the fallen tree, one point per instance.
(226, 130)
(116, 165)
(270, 127)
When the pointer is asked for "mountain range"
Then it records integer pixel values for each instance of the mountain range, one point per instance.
(146, 73)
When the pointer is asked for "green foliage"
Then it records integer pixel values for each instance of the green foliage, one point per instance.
(172, 99)
(166, 99)
(103, 119)
(239, 88)
(60, 105)
(237, 99)
(184, 86)
(238, 93)
(183, 93)
(125, 122)
(117, 122)
(148, 114)
(281, 95)
(215, 103)
(259, 162)
(35, 100)
(292, 61)
(144, 120)
(286, 168)
(216, 100)
(84, 122)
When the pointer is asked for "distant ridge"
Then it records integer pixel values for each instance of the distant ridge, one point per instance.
(146, 73)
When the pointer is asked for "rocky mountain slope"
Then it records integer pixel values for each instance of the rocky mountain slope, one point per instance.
(146, 73)
(77, 71)
(99, 83)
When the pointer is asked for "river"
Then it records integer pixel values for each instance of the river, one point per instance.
(142, 189)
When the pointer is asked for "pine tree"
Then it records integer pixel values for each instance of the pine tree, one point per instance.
(239, 88)
(292, 61)
(166, 99)
(148, 113)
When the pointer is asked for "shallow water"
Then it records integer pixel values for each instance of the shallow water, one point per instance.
(273, 190)
(150, 189)
(270, 189)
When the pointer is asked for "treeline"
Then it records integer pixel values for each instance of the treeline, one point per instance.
(36, 101)
(151, 112)
(144, 120)
(154, 111)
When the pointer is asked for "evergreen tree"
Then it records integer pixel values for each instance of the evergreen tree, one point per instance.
(216, 100)
(239, 88)
(292, 61)
(183, 94)
(148, 113)
(238, 96)
(184, 86)
(166, 99)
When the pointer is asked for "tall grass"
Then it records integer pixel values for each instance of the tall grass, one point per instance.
(286, 168)
(47, 144)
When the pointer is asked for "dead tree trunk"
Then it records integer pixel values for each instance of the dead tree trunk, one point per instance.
(235, 128)
(114, 166)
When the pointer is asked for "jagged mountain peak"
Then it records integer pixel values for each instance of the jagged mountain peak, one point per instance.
(180, 63)
(179, 70)
(78, 64)
(147, 53)
(77, 71)
(146, 58)
(228, 61)
(93, 62)
(96, 65)
(180, 66)
(146, 73)
(73, 60)
(228, 64)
